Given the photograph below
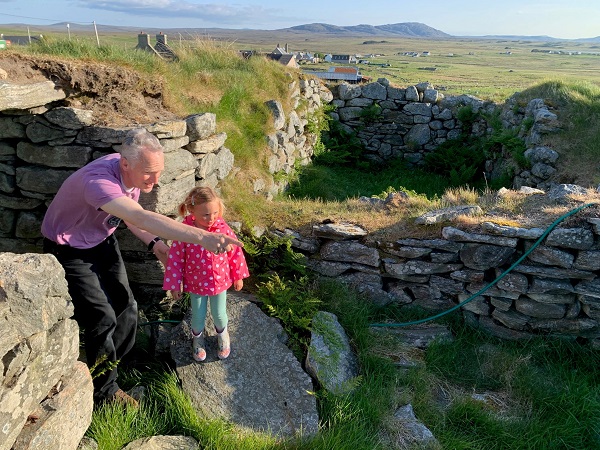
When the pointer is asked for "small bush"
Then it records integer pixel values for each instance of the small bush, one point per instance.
(341, 149)
(460, 160)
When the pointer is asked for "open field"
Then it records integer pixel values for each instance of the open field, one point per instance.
(490, 69)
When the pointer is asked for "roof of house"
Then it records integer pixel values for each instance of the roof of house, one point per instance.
(344, 69)
(20, 40)
(334, 75)
(288, 60)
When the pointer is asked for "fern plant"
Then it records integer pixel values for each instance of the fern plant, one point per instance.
(294, 302)
(270, 253)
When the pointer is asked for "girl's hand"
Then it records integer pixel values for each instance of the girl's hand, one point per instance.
(175, 294)
(238, 285)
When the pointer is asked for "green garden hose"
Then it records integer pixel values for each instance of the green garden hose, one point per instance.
(502, 275)
(158, 321)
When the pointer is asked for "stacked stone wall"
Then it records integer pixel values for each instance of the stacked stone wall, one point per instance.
(42, 142)
(409, 122)
(554, 290)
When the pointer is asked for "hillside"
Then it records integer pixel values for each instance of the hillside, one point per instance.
(408, 29)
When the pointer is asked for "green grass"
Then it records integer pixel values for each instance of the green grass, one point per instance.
(334, 183)
(549, 391)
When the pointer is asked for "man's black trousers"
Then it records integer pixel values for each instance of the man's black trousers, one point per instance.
(104, 306)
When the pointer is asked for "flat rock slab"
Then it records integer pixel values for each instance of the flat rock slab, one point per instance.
(261, 386)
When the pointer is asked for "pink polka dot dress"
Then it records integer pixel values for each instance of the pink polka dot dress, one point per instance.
(203, 272)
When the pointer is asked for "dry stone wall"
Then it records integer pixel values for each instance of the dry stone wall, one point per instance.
(555, 290)
(42, 142)
(408, 122)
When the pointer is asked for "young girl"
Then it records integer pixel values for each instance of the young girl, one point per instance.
(205, 275)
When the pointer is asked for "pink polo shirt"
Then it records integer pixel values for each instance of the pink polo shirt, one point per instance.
(203, 272)
(74, 217)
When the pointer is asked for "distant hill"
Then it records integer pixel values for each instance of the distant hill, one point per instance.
(511, 37)
(407, 29)
(399, 30)
(543, 38)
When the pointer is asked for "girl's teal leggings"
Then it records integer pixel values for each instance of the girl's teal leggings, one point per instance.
(218, 310)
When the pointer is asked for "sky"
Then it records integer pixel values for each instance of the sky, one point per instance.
(556, 18)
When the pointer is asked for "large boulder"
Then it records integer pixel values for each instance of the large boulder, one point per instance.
(261, 386)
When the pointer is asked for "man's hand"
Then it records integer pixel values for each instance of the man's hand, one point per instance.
(161, 251)
(219, 243)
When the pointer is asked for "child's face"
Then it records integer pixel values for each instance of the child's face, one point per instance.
(206, 214)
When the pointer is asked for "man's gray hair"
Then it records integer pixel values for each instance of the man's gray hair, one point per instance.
(136, 141)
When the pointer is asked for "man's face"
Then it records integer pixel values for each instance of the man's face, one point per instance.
(144, 173)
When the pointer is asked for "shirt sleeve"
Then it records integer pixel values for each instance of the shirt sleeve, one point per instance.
(173, 277)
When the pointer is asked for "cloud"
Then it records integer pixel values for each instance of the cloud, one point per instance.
(169, 9)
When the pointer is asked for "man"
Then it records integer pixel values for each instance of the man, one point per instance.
(78, 229)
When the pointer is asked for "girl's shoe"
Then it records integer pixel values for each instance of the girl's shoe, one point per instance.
(198, 347)
(223, 343)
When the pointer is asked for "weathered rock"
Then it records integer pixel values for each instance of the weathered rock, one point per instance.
(483, 257)
(208, 145)
(25, 96)
(576, 238)
(40, 179)
(448, 214)
(552, 257)
(514, 282)
(168, 129)
(438, 244)
(54, 156)
(478, 305)
(272, 396)
(64, 416)
(350, 251)
(39, 342)
(397, 270)
(549, 286)
(587, 260)
(201, 126)
(554, 272)
(512, 232)
(454, 234)
(415, 336)
(404, 430)
(540, 310)
(564, 190)
(330, 359)
(164, 443)
(70, 118)
(165, 198)
(338, 231)
(300, 242)
(512, 319)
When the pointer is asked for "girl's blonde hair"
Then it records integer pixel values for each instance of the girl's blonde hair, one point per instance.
(198, 196)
